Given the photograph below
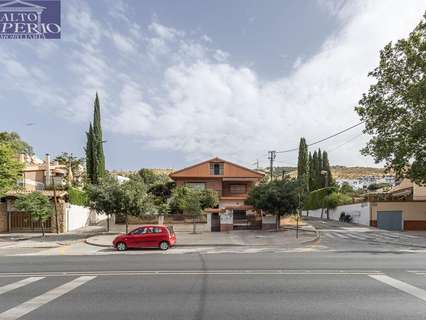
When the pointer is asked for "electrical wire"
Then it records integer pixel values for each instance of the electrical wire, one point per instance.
(324, 139)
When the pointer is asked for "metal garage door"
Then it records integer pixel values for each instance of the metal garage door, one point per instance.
(389, 220)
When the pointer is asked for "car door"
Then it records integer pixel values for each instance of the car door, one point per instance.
(135, 238)
(148, 239)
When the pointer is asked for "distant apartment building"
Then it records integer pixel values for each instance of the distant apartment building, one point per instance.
(365, 181)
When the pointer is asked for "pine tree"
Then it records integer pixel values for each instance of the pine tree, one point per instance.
(303, 164)
(98, 141)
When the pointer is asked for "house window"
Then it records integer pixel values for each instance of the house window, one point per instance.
(196, 185)
(216, 169)
(237, 188)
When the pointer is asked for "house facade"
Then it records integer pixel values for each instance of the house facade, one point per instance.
(232, 182)
(37, 174)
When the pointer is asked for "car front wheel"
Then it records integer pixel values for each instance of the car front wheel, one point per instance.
(121, 246)
(164, 245)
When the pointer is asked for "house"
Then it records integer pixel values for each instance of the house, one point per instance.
(39, 175)
(402, 208)
(232, 182)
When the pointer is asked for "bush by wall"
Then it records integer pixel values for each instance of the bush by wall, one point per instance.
(78, 197)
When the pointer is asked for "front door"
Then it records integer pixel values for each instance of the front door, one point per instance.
(215, 223)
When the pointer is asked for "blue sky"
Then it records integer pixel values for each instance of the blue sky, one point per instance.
(182, 81)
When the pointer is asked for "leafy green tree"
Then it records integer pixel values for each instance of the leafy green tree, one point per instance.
(162, 191)
(277, 197)
(346, 188)
(106, 197)
(394, 109)
(192, 201)
(333, 200)
(135, 199)
(36, 204)
(303, 164)
(10, 168)
(18, 145)
(72, 162)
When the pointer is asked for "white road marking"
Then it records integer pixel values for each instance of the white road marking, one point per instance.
(19, 284)
(200, 272)
(330, 235)
(37, 302)
(354, 236)
(407, 288)
(341, 236)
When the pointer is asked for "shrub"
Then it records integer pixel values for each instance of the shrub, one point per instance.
(78, 197)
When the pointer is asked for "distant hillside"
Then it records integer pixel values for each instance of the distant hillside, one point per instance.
(342, 172)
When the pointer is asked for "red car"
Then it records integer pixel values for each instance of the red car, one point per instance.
(162, 237)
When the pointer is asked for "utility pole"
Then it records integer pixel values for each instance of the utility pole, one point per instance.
(271, 156)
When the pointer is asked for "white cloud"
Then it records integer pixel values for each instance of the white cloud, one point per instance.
(209, 108)
(123, 43)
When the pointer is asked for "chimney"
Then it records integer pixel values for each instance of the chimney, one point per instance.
(48, 173)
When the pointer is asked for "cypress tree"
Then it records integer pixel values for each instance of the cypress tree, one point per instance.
(311, 173)
(315, 171)
(303, 164)
(89, 154)
(99, 170)
(95, 159)
(326, 167)
(320, 177)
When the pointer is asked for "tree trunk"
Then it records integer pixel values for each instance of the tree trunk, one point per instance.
(328, 214)
(42, 227)
(193, 225)
(278, 223)
(322, 212)
(55, 200)
(108, 223)
(127, 223)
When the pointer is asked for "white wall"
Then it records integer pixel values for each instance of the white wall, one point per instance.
(360, 213)
(77, 217)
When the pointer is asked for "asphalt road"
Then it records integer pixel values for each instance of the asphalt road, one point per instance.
(315, 285)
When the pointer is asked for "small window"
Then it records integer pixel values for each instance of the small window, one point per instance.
(237, 188)
(216, 169)
(158, 230)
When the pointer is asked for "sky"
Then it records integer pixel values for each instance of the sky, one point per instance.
(184, 81)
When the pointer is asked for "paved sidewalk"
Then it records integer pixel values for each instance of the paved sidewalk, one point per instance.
(285, 238)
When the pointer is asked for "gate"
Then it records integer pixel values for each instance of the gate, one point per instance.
(215, 222)
(389, 220)
(23, 222)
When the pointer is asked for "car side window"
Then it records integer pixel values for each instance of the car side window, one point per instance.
(157, 230)
(139, 231)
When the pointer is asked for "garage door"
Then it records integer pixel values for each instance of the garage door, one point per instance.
(389, 220)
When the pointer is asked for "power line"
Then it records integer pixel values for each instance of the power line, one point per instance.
(346, 142)
(324, 139)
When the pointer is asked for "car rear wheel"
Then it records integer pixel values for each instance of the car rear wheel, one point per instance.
(121, 246)
(164, 245)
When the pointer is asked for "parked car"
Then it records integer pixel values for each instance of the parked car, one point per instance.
(162, 237)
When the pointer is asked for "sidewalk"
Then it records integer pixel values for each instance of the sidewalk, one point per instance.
(50, 240)
(284, 239)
